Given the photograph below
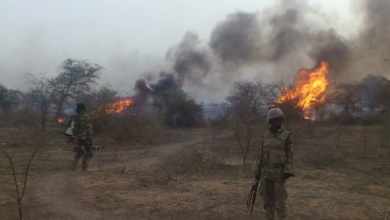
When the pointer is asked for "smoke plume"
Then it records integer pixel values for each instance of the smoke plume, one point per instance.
(331, 48)
(373, 45)
(284, 38)
(141, 88)
(376, 29)
(236, 39)
(190, 61)
(166, 83)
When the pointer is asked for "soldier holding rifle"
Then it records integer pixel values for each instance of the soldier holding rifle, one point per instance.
(275, 166)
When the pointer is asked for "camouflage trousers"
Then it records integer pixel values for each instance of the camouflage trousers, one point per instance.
(86, 155)
(274, 198)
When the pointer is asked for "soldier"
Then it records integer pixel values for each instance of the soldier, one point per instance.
(276, 165)
(82, 134)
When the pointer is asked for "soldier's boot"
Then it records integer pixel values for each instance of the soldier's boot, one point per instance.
(270, 212)
(86, 157)
(76, 161)
(85, 164)
(280, 198)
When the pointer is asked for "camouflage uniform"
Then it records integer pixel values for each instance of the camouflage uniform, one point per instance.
(277, 162)
(83, 135)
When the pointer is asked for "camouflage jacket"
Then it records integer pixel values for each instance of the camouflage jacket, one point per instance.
(83, 131)
(276, 154)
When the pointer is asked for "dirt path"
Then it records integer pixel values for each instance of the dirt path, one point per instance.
(56, 199)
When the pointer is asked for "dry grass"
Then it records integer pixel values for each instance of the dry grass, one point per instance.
(200, 176)
(331, 183)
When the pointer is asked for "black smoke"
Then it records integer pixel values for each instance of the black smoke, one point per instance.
(376, 29)
(285, 37)
(373, 45)
(141, 88)
(331, 48)
(280, 34)
(290, 32)
(189, 60)
(166, 83)
(236, 39)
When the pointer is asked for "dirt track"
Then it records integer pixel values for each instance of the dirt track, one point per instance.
(55, 196)
(128, 182)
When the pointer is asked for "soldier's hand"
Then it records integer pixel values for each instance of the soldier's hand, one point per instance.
(70, 139)
(257, 175)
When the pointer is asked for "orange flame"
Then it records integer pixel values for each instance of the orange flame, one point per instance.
(114, 107)
(118, 106)
(309, 88)
(60, 120)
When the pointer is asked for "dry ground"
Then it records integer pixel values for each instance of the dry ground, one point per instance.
(197, 174)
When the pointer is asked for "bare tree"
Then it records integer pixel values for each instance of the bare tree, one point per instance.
(246, 97)
(76, 77)
(20, 185)
(41, 95)
(221, 113)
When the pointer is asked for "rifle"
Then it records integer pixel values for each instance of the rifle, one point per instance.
(78, 148)
(70, 137)
(253, 193)
(252, 196)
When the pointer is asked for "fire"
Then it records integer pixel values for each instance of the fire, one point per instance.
(114, 107)
(309, 88)
(61, 120)
(118, 106)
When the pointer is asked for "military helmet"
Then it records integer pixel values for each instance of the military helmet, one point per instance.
(80, 107)
(274, 113)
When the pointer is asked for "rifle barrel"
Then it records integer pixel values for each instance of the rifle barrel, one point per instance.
(252, 196)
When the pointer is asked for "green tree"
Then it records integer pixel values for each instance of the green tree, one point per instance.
(8, 99)
(347, 97)
(180, 111)
(383, 97)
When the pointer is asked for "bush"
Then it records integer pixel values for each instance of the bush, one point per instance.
(204, 160)
(326, 158)
(179, 110)
(25, 117)
(143, 129)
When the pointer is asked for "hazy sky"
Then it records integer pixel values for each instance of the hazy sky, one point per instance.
(126, 37)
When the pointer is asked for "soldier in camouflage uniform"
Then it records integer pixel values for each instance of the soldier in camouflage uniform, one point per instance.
(82, 133)
(276, 165)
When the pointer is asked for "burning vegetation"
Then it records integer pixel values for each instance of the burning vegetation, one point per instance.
(282, 38)
(309, 88)
(115, 107)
